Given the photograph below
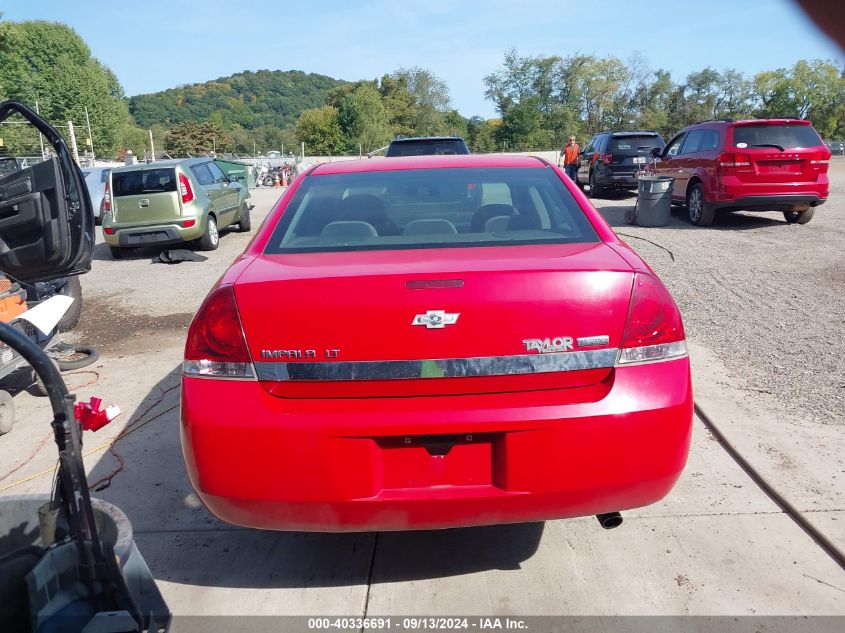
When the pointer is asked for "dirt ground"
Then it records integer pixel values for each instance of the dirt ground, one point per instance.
(768, 298)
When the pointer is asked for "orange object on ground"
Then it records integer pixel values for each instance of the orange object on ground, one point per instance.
(284, 179)
(12, 305)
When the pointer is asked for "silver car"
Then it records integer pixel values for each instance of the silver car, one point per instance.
(95, 179)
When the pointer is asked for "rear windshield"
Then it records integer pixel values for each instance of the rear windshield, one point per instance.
(426, 147)
(8, 165)
(635, 144)
(786, 136)
(136, 183)
(430, 208)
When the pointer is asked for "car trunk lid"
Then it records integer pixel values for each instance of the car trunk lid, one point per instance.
(425, 322)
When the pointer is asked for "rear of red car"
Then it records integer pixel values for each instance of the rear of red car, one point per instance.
(773, 164)
(434, 343)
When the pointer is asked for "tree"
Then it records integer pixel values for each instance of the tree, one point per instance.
(481, 134)
(197, 139)
(320, 130)
(363, 119)
(49, 63)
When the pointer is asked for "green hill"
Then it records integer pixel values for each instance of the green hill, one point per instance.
(248, 99)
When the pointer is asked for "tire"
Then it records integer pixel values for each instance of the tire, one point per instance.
(245, 224)
(7, 412)
(211, 238)
(73, 288)
(799, 217)
(700, 212)
(596, 190)
(38, 387)
(117, 252)
(91, 356)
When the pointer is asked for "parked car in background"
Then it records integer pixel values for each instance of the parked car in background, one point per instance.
(753, 164)
(10, 164)
(610, 160)
(432, 342)
(95, 180)
(169, 202)
(426, 145)
(837, 148)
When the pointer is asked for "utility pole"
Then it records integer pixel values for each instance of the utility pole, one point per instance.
(214, 146)
(152, 148)
(73, 146)
(90, 137)
(40, 137)
(303, 149)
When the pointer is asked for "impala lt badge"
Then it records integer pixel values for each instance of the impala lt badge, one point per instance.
(548, 345)
(436, 319)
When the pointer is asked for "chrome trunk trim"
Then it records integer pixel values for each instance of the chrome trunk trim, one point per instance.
(436, 368)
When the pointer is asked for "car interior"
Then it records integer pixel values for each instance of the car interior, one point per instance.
(430, 212)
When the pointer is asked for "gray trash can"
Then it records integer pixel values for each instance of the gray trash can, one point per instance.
(654, 200)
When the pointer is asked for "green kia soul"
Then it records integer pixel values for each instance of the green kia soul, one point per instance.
(171, 201)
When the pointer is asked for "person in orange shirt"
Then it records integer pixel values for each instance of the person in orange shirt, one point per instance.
(570, 158)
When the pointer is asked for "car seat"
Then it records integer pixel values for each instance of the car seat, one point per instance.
(487, 212)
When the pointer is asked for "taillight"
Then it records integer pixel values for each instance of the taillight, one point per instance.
(607, 158)
(108, 230)
(729, 159)
(185, 189)
(216, 346)
(821, 158)
(107, 199)
(654, 330)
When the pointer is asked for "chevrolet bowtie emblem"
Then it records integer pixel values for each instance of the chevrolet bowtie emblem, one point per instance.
(436, 319)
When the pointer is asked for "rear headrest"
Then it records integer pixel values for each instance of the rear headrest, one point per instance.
(499, 224)
(350, 229)
(367, 208)
(431, 226)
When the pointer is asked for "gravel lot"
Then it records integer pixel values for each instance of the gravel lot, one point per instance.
(768, 298)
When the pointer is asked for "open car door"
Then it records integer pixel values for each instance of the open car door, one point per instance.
(46, 216)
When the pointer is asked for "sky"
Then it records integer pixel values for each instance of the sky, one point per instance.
(152, 45)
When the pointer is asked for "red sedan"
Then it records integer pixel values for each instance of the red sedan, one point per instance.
(433, 342)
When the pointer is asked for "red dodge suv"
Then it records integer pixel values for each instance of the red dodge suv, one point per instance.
(756, 165)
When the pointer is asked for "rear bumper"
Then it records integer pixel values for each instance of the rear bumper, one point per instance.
(623, 180)
(366, 463)
(731, 192)
(136, 236)
(777, 203)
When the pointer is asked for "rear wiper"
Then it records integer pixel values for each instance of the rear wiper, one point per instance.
(780, 147)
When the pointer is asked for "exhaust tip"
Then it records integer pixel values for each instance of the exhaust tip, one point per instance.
(610, 520)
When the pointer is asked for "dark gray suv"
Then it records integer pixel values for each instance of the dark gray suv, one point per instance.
(611, 159)
(426, 145)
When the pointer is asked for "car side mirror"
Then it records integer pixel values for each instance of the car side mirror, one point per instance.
(46, 217)
(656, 152)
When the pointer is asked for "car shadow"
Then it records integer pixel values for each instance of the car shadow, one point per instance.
(183, 543)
